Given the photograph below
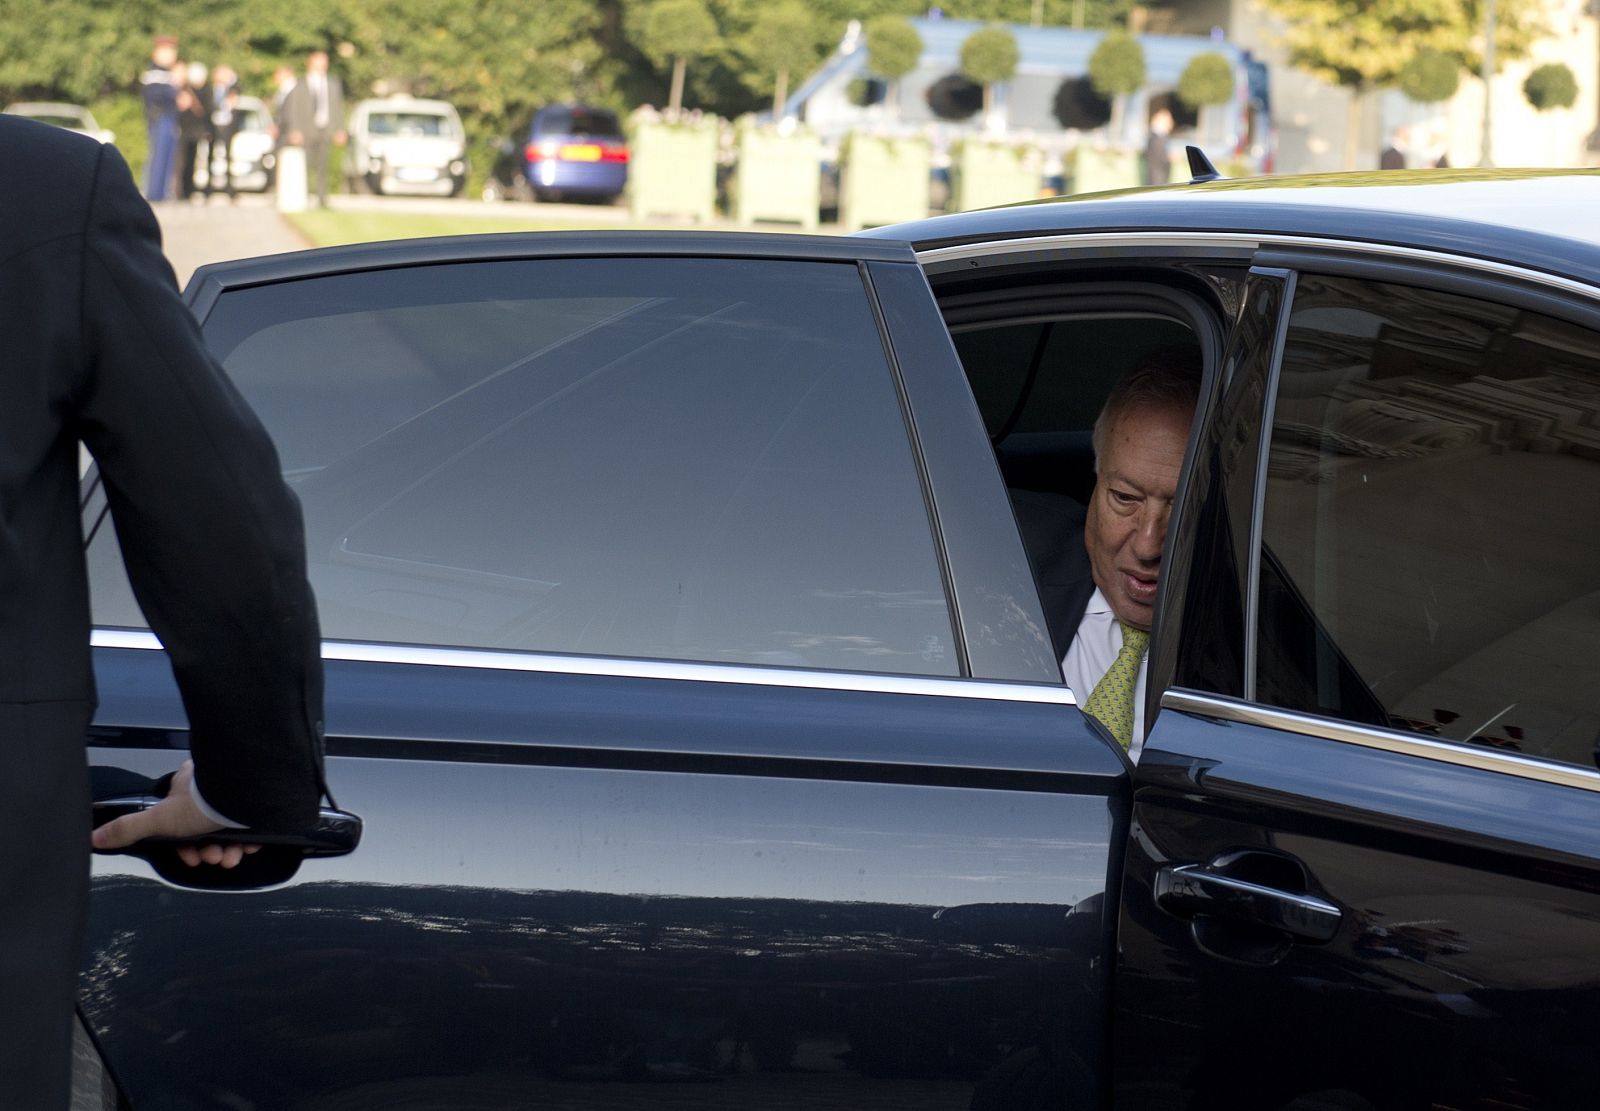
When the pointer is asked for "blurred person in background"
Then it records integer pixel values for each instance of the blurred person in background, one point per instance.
(314, 118)
(1394, 155)
(222, 98)
(1157, 156)
(160, 117)
(194, 122)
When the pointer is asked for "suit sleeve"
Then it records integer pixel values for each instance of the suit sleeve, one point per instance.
(210, 533)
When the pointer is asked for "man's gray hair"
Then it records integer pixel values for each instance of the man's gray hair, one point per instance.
(1166, 379)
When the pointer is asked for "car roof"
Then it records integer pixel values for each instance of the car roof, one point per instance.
(1541, 219)
(402, 103)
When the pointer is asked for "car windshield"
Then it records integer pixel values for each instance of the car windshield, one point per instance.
(410, 123)
(584, 122)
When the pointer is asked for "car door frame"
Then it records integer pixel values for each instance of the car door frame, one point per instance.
(1043, 750)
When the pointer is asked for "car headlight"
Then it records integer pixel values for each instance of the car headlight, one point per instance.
(374, 165)
(458, 167)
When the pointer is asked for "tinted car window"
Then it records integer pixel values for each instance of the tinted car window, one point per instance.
(1430, 557)
(675, 458)
(593, 123)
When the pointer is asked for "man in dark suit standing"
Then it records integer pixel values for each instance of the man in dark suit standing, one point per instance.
(1098, 568)
(100, 349)
(314, 117)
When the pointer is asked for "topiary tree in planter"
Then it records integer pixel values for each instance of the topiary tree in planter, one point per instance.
(1430, 76)
(989, 57)
(1116, 69)
(1207, 81)
(1551, 86)
(670, 32)
(782, 40)
(893, 50)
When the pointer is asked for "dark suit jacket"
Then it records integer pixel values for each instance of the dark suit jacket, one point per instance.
(1052, 534)
(299, 109)
(99, 347)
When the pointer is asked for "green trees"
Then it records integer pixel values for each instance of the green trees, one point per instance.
(1430, 76)
(989, 57)
(781, 41)
(670, 32)
(1116, 70)
(1207, 79)
(1551, 86)
(1368, 44)
(893, 50)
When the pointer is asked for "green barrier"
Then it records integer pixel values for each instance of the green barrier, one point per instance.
(985, 173)
(673, 170)
(882, 180)
(1095, 170)
(778, 177)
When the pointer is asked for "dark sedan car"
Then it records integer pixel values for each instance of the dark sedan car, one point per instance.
(572, 152)
(686, 668)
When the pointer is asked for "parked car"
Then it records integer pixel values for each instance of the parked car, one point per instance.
(573, 152)
(687, 672)
(251, 155)
(400, 144)
(73, 117)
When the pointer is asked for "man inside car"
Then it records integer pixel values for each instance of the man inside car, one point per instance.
(1099, 568)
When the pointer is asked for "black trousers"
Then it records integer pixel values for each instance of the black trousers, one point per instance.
(44, 888)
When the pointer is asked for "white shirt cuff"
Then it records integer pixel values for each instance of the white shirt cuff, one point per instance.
(205, 808)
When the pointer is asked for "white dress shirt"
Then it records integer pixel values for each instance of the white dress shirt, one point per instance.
(1093, 650)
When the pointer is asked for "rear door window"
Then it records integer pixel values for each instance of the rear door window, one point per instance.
(677, 458)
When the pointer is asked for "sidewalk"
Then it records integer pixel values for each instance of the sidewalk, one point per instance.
(194, 234)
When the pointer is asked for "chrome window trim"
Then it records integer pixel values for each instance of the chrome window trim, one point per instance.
(1447, 752)
(1248, 242)
(617, 667)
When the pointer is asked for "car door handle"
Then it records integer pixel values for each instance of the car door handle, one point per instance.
(336, 833)
(1193, 890)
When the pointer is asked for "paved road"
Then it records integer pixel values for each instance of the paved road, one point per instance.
(195, 234)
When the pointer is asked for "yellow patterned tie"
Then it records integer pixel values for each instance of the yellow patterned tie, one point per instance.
(1111, 701)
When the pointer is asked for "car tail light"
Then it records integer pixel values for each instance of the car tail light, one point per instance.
(538, 152)
(613, 154)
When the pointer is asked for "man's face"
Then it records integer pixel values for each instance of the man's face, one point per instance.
(317, 62)
(164, 55)
(1130, 508)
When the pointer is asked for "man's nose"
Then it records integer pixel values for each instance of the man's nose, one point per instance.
(1150, 535)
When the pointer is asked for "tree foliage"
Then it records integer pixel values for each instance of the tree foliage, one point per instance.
(781, 42)
(1208, 79)
(669, 30)
(893, 46)
(1116, 68)
(1365, 44)
(1551, 86)
(1430, 76)
(990, 56)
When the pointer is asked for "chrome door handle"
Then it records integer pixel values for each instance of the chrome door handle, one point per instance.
(1193, 890)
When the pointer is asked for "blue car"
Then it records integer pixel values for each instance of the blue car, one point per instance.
(572, 152)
